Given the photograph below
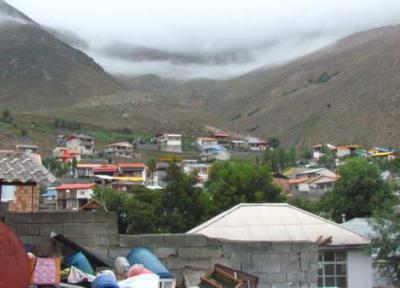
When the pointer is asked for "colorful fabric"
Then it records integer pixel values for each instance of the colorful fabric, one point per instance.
(45, 271)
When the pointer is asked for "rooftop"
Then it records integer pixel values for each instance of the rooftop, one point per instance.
(22, 167)
(275, 223)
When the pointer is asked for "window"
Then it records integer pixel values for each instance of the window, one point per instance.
(332, 270)
(8, 193)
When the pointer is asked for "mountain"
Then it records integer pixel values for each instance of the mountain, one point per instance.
(348, 92)
(36, 68)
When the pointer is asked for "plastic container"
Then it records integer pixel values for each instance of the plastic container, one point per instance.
(105, 281)
(138, 269)
(80, 261)
(142, 255)
(122, 265)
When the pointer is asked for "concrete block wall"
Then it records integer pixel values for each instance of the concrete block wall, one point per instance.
(96, 231)
(276, 264)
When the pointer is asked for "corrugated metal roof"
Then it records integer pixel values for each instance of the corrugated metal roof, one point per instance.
(275, 223)
(22, 167)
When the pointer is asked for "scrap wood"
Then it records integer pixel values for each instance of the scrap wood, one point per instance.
(321, 241)
(95, 260)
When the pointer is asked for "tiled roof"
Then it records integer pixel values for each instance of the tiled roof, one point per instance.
(22, 167)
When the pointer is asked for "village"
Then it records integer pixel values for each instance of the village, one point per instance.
(53, 199)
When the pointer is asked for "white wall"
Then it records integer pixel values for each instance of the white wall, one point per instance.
(359, 269)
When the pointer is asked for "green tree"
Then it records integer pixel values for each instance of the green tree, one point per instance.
(385, 245)
(6, 116)
(231, 183)
(183, 202)
(152, 166)
(56, 167)
(274, 142)
(328, 159)
(359, 192)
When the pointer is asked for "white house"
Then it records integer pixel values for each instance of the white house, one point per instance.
(201, 169)
(69, 196)
(170, 143)
(343, 259)
(205, 141)
(121, 149)
(256, 144)
(312, 183)
(82, 144)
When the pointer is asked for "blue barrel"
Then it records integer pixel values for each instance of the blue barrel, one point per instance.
(142, 255)
(105, 281)
(79, 261)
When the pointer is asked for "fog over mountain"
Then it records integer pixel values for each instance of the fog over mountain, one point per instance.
(215, 39)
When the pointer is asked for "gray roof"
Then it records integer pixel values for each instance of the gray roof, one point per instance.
(23, 167)
(272, 222)
(363, 226)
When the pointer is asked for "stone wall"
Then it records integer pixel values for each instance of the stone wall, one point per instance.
(276, 264)
(96, 231)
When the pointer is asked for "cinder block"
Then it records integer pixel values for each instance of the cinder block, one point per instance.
(175, 263)
(117, 252)
(261, 258)
(293, 266)
(108, 217)
(197, 263)
(28, 229)
(277, 277)
(271, 268)
(311, 276)
(295, 276)
(173, 240)
(281, 248)
(130, 241)
(45, 230)
(280, 258)
(304, 247)
(153, 240)
(199, 240)
(164, 252)
(75, 229)
(200, 252)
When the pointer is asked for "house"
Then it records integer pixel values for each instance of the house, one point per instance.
(365, 227)
(238, 145)
(26, 148)
(214, 152)
(105, 169)
(205, 141)
(201, 169)
(312, 183)
(157, 179)
(80, 143)
(68, 196)
(66, 155)
(21, 176)
(343, 256)
(170, 143)
(384, 155)
(256, 144)
(134, 172)
(283, 182)
(84, 170)
(223, 138)
(121, 149)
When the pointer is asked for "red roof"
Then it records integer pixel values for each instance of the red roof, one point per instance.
(220, 134)
(106, 168)
(75, 186)
(131, 165)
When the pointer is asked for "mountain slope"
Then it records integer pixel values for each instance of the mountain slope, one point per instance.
(348, 92)
(38, 69)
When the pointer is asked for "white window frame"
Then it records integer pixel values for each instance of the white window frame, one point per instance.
(337, 260)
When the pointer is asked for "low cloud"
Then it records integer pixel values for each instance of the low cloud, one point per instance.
(208, 38)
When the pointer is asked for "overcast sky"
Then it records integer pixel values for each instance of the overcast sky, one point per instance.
(272, 31)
